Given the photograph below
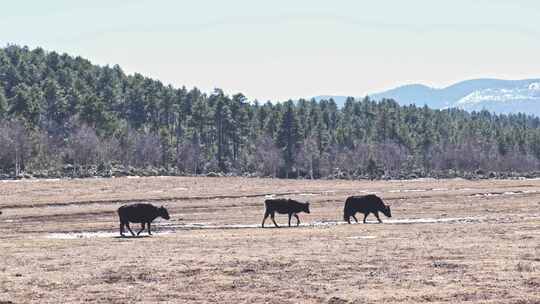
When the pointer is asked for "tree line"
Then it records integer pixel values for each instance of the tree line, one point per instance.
(61, 115)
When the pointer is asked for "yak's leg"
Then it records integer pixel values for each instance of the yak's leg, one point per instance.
(266, 214)
(365, 217)
(121, 229)
(290, 215)
(129, 228)
(272, 216)
(297, 220)
(149, 229)
(354, 217)
(377, 216)
(142, 229)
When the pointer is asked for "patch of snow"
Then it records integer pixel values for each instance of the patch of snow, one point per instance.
(80, 235)
(440, 189)
(362, 237)
(325, 223)
(170, 228)
(531, 92)
(535, 86)
(33, 180)
(180, 189)
(97, 234)
(434, 220)
(407, 190)
(488, 194)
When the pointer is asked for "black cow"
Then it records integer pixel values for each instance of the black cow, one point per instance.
(284, 206)
(365, 204)
(140, 213)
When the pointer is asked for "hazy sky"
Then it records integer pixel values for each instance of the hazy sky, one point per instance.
(283, 49)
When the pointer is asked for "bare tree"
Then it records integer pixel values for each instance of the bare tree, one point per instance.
(84, 146)
(391, 156)
(147, 150)
(268, 156)
(15, 146)
(307, 158)
(188, 157)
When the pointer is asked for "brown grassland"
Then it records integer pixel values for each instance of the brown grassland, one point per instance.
(449, 241)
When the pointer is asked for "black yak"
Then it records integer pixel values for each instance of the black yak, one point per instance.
(365, 204)
(284, 206)
(140, 213)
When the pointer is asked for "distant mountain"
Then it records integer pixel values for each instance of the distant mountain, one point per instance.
(494, 95)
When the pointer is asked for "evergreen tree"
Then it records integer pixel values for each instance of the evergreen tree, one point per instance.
(289, 137)
(25, 104)
(3, 105)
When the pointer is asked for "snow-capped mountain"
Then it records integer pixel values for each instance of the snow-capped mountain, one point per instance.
(524, 98)
(494, 95)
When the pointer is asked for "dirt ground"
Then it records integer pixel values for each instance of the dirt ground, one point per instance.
(449, 241)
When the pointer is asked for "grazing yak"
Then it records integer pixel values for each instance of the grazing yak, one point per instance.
(140, 213)
(284, 206)
(365, 204)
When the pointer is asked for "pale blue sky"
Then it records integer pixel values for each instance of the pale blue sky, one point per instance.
(287, 49)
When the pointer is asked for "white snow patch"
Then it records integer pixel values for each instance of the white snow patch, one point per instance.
(179, 189)
(407, 190)
(440, 189)
(434, 220)
(535, 86)
(80, 235)
(324, 223)
(362, 237)
(488, 194)
(531, 92)
(96, 234)
(170, 228)
(33, 180)
(413, 180)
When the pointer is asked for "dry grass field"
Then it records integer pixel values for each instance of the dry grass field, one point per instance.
(449, 241)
